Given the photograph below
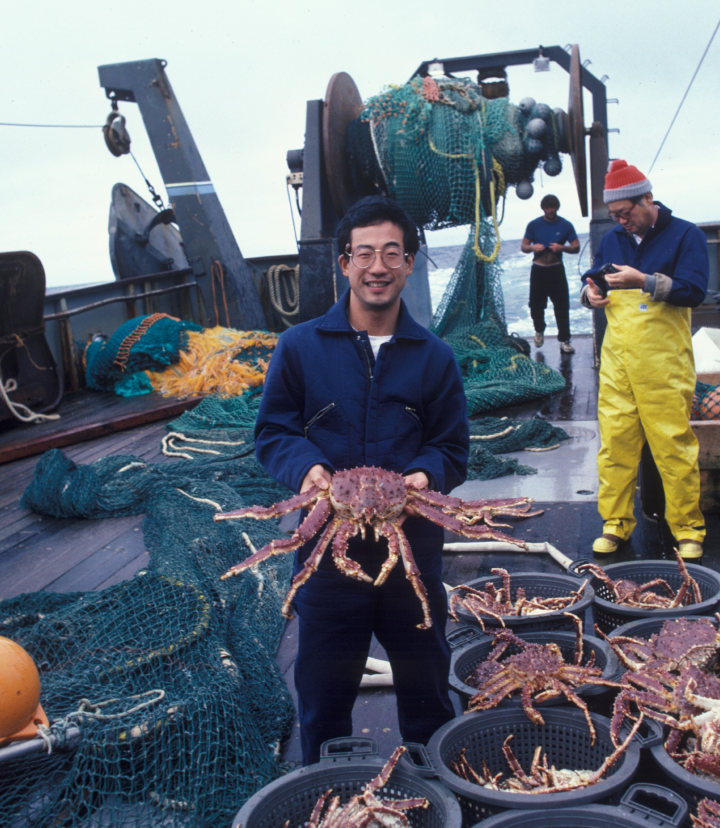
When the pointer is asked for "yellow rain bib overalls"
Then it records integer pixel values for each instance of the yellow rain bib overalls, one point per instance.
(647, 379)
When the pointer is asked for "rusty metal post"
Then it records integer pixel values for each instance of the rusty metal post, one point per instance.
(67, 345)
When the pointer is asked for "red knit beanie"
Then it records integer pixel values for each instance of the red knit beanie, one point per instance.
(624, 181)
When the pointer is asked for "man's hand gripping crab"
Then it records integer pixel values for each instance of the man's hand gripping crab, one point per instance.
(377, 498)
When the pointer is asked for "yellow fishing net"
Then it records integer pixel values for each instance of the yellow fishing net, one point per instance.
(217, 361)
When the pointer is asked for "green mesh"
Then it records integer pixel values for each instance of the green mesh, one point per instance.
(492, 436)
(448, 155)
(185, 705)
(193, 704)
(157, 347)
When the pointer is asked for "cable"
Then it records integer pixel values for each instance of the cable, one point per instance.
(54, 126)
(712, 37)
(292, 215)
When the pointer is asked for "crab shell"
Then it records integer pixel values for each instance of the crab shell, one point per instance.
(375, 498)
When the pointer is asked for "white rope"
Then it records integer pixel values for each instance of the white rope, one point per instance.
(169, 449)
(134, 465)
(508, 430)
(17, 409)
(202, 500)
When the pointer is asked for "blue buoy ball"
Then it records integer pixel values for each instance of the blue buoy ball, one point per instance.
(553, 166)
(526, 104)
(533, 146)
(537, 128)
(524, 190)
(542, 111)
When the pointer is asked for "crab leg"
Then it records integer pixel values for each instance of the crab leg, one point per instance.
(393, 553)
(610, 760)
(455, 525)
(515, 766)
(412, 573)
(346, 565)
(299, 501)
(305, 532)
(317, 810)
(311, 565)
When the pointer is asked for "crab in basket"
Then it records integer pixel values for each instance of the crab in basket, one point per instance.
(694, 740)
(542, 777)
(649, 595)
(374, 498)
(662, 673)
(708, 814)
(365, 810)
(496, 603)
(538, 672)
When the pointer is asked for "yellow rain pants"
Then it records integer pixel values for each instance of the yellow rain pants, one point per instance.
(647, 379)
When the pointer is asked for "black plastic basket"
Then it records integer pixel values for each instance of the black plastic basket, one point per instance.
(346, 766)
(691, 787)
(609, 615)
(642, 806)
(565, 740)
(469, 650)
(536, 585)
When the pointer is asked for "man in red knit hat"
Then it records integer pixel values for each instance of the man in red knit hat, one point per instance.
(647, 374)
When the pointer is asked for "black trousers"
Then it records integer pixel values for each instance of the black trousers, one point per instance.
(550, 283)
(338, 616)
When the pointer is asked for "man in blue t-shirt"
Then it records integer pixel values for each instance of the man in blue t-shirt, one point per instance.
(547, 237)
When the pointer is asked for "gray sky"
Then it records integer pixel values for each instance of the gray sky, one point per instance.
(242, 72)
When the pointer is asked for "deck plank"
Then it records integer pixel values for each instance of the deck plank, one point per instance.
(103, 565)
(21, 570)
(127, 571)
(87, 415)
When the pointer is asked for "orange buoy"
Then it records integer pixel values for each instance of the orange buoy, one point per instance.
(20, 710)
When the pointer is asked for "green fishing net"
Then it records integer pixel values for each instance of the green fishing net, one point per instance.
(448, 155)
(492, 436)
(169, 678)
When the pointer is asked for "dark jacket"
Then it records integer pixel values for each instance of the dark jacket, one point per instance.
(673, 247)
(326, 400)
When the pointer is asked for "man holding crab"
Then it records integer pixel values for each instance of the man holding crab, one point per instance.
(365, 385)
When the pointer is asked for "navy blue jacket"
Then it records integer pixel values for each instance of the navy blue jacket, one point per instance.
(326, 400)
(674, 247)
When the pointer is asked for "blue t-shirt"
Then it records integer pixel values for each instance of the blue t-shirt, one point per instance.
(540, 231)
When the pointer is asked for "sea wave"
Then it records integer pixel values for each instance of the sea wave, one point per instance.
(515, 281)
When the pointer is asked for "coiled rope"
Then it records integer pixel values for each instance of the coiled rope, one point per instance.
(284, 289)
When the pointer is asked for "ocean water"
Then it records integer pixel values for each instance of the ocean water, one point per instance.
(516, 285)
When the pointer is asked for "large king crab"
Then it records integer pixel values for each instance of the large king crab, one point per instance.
(662, 672)
(366, 810)
(366, 496)
(538, 671)
(496, 603)
(631, 594)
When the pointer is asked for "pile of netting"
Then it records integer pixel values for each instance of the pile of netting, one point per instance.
(170, 677)
(177, 358)
(493, 436)
(448, 155)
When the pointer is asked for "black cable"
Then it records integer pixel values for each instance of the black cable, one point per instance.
(581, 255)
(292, 215)
(53, 126)
(712, 37)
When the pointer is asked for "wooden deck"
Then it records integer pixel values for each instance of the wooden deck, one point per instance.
(76, 555)
(84, 416)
